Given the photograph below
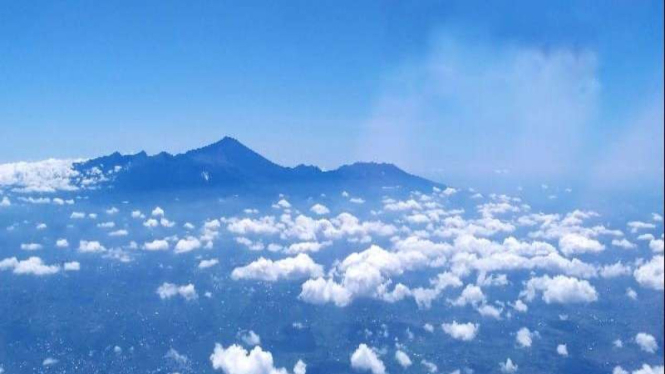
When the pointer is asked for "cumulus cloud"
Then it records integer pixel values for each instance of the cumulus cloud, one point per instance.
(169, 290)
(251, 338)
(524, 337)
(301, 266)
(204, 264)
(31, 266)
(403, 359)
(86, 246)
(43, 176)
(319, 209)
(562, 350)
(236, 360)
(461, 331)
(365, 358)
(646, 342)
(187, 244)
(572, 244)
(650, 274)
(72, 266)
(31, 246)
(560, 289)
(156, 245)
(508, 367)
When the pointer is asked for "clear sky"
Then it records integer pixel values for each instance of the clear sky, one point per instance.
(541, 91)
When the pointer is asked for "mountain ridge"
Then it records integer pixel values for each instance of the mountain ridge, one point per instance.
(229, 164)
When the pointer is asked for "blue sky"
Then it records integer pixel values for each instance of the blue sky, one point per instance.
(557, 92)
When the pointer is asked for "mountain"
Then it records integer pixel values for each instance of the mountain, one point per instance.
(230, 165)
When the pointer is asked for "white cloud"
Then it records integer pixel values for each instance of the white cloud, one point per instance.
(43, 176)
(62, 243)
(187, 244)
(301, 266)
(156, 245)
(72, 266)
(524, 337)
(615, 270)
(49, 361)
(236, 360)
(319, 209)
(623, 243)
(646, 342)
(322, 291)
(120, 232)
(648, 369)
(157, 212)
(403, 359)
(472, 295)
(169, 290)
(86, 246)
(656, 245)
(560, 289)
(461, 331)
(251, 338)
(77, 215)
(636, 226)
(650, 275)
(5, 202)
(31, 246)
(572, 244)
(562, 349)
(306, 247)
(204, 264)
(365, 359)
(508, 367)
(31, 266)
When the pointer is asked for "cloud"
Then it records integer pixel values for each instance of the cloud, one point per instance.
(43, 176)
(236, 360)
(204, 264)
(251, 338)
(562, 350)
(86, 246)
(623, 243)
(365, 359)
(156, 245)
(322, 291)
(573, 244)
(461, 331)
(72, 266)
(301, 266)
(31, 246)
(524, 337)
(403, 359)
(306, 247)
(544, 98)
(650, 275)
(319, 209)
(508, 367)
(560, 289)
(31, 266)
(187, 245)
(471, 294)
(646, 342)
(62, 243)
(169, 290)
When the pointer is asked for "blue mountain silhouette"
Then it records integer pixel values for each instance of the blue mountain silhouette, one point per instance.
(230, 165)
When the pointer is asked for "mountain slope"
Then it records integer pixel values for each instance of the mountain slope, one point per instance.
(230, 165)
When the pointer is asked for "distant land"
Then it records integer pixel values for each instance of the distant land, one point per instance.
(229, 165)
